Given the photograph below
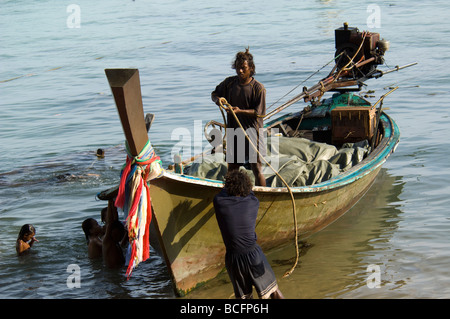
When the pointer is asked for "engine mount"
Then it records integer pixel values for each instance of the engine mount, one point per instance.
(348, 41)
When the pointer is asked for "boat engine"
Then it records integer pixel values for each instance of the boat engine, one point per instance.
(365, 49)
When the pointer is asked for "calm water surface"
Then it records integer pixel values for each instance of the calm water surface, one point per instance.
(57, 109)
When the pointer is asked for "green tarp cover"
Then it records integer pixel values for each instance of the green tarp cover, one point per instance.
(299, 161)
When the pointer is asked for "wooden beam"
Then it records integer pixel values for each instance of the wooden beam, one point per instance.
(126, 89)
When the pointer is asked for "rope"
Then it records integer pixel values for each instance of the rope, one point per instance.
(334, 76)
(229, 107)
(294, 88)
(134, 198)
(345, 68)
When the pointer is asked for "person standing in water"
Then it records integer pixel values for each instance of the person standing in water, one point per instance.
(236, 208)
(94, 233)
(106, 241)
(26, 238)
(113, 256)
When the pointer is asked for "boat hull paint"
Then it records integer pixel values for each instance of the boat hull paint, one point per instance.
(189, 235)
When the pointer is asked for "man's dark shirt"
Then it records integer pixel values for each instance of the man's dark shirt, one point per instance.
(236, 217)
(246, 97)
(251, 96)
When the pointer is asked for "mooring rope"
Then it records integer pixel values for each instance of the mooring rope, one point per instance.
(134, 198)
(223, 101)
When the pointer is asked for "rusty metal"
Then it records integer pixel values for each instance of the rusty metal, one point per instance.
(372, 53)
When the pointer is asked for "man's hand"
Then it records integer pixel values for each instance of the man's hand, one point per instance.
(235, 109)
(222, 101)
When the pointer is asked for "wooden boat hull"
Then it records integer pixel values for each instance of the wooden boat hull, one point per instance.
(190, 238)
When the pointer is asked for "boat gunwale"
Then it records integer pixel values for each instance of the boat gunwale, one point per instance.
(375, 159)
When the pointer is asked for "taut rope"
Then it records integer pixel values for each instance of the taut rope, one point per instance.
(228, 107)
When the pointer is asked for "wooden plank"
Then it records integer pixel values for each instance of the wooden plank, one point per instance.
(126, 89)
(352, 124)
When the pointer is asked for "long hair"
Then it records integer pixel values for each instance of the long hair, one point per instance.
(86, 226)
(244, 56)
(237, 183)
(25, 230)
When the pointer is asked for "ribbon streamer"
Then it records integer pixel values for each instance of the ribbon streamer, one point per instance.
(134, 198)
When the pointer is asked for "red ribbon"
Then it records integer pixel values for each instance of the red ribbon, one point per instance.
(120, 200)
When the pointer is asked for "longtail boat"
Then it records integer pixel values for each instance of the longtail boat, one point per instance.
(183, 222)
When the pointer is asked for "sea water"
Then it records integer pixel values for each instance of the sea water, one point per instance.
(57, 110)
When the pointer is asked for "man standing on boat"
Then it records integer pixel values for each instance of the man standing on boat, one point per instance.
(247, 98)
(236, 210)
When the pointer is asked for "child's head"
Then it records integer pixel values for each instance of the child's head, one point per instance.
(27, 232)
(100, 153)
(90, 227)
(237, 183)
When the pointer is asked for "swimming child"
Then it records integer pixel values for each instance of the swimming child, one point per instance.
(93, 232)
(100, 153)
(26, 238)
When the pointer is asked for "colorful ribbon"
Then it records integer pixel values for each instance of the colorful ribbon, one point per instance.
(134, 198)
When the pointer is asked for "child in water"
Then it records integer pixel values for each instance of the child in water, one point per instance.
(93, 232)
(26, 238)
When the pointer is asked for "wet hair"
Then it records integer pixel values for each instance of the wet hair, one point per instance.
(100, 153)
(237, 183)
(241, 57)
(87, 225)
(26, 230)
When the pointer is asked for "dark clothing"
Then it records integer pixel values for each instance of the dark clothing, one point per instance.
(248, 269)
(251, 96)
(236, 217)
(245, 262)
(246, 97)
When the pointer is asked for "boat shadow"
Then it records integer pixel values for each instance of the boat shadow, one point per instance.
(185, 216)
(180, 227)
